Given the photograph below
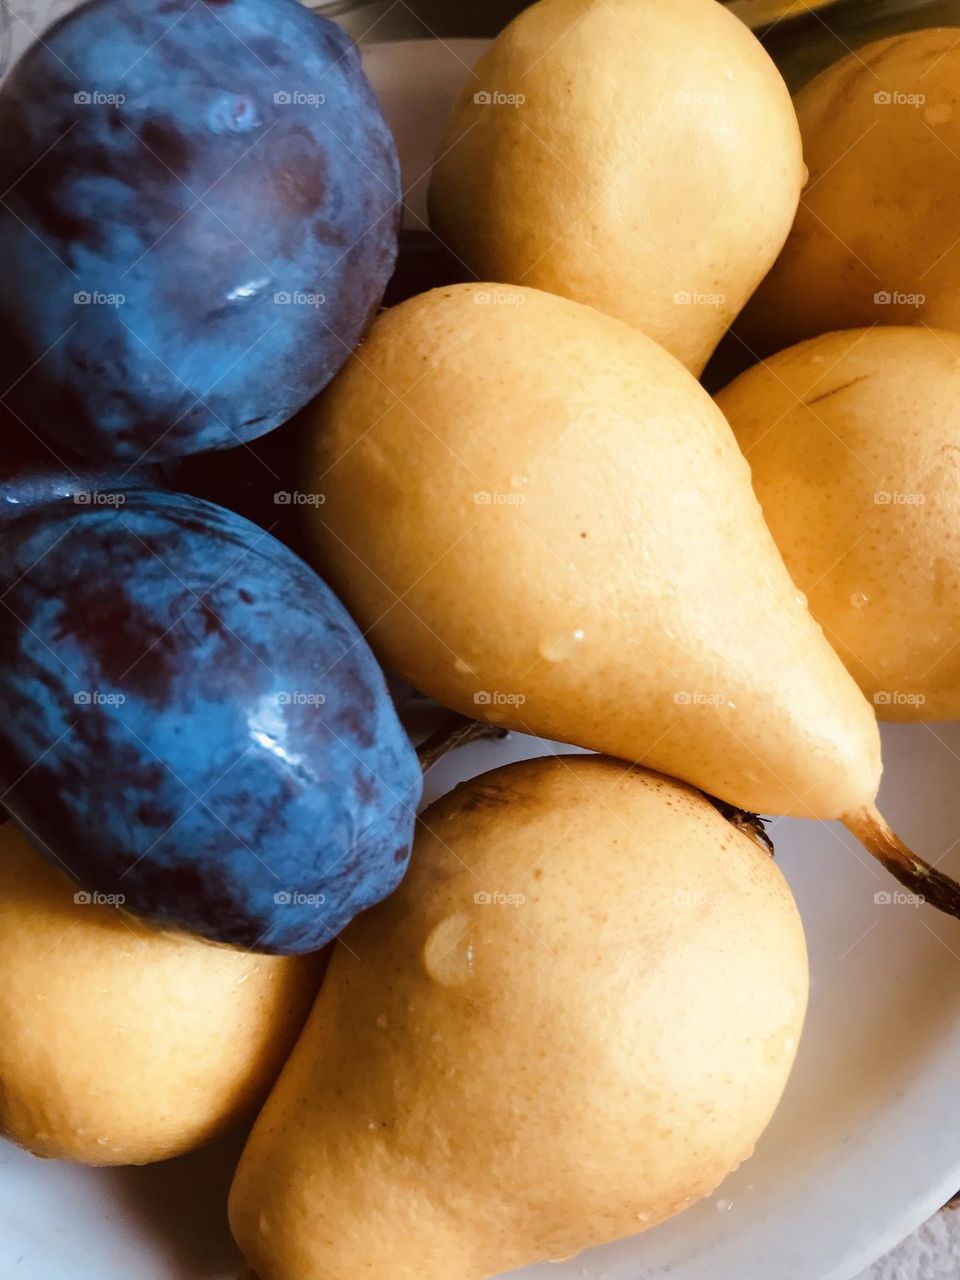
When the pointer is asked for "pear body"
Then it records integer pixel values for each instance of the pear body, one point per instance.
(574, 1017)
(120, 1044)
(581, 156)
(852, 443)
(540, 518)
(874, 237)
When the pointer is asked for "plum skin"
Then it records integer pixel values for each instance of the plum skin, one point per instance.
(254, 785)
(219, 212)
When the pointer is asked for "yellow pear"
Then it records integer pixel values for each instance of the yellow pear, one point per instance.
(875, 236)
(641, 156)
(853, 440)
(540, 518)
(573, 1019)
(120, 1044)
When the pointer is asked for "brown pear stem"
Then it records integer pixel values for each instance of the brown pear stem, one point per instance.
(749, 823)
(459, 731)
(876, 836)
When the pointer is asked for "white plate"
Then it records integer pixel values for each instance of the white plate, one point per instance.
(866, 1143)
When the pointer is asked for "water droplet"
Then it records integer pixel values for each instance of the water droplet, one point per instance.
(859, 599)
(518, 481)
(383, 1022)
(448, 951)
(804, 176)
(731, 705)
(800, 599)
(939, 113)
(463, 668)
(723, 1206)
(264, 1225)
(561, 648)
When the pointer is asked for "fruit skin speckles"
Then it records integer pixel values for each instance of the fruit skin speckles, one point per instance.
(203, 175)
(189, 717)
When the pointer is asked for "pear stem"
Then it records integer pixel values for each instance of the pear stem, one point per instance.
(875, 834)
(459, 731)
(749, 823)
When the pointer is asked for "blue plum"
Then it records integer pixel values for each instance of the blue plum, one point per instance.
(190, 719)
(200, 216)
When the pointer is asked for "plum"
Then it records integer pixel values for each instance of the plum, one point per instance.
(200, 216)
(190, 719)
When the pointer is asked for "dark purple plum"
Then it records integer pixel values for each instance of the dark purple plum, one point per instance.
(200, 216)
(190, 719)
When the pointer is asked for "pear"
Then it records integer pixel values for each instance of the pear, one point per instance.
(120, 1044)
(574, 1018)
(852, 441)
(874, 241)
(539, 517)
(583, 153)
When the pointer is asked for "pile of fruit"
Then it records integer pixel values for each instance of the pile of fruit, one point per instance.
(577, 1010)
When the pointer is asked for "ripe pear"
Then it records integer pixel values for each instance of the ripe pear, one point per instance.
(575, 1017)
(874, 241)
(852, 440)
(540, 518)
(120, 1044)
(581, 157)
